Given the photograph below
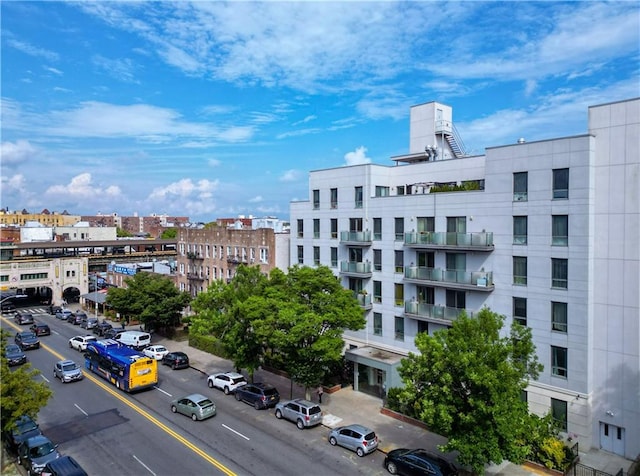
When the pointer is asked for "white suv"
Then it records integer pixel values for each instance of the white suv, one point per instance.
(227, 381)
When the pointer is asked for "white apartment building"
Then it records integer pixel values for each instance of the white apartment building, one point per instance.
(546, 233)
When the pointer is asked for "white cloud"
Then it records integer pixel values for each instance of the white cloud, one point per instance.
(358, 156)
(214, 163)
(185, 188)
(17, 183)
(55, 71)
(305, 120)
(82, 187)
(122, 69)
(291, 175)
(256, 199)
(32, 50)
(18, 152)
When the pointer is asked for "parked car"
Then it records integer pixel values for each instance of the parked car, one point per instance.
(63, 466)
(176, 360)
(40, 329)
(196, 406)
(228, 382)
(35, 452)
(63, 314)
(67, 371)
(357, 438)
(110, 333)
(156, 351)
(304, 413)
(8, 307)
(79, 316)
(23, 318)
(27, 340)
(24, 428)
(406, 462)
(101, 328)
(14, 355)
(89, 322)
(260, 395)
(80, 342)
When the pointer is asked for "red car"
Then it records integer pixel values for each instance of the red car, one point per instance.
(40, 329)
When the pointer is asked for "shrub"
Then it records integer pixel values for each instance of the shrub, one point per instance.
(552, 453)
(208, 344)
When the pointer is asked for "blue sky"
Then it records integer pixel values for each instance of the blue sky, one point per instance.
(219, 109)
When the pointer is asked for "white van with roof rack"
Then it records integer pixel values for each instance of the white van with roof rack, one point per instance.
(135, 339)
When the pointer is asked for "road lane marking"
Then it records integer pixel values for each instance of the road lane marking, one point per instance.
(78, 407)
(115, 393)
(143, 465)
(160, 390)
(237, 433)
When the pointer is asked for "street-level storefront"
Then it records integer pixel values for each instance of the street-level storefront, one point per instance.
(374, 370)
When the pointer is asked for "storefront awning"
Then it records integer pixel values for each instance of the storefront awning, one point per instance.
(95, 296)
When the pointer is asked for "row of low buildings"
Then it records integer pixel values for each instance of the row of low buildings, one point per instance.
(545, 233)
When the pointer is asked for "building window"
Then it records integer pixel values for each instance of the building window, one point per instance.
(399, 328)
(316, 228)
(300, 228)
(454, 299)
(358, 197)
(520, 310)
(456, 224)
(399, 294)
(426, 224)
(423, 326)
(559, 413)
(355, 224)
(561, 183)
(334, 228)
(316, 199)
(520, 230)
(399, 261)
(264, 255)
(377, 291)
(377, 229)
(316, 255)
(334, 198)
(559, 361)
(400, 189)
(520, 270)
(559, 317)
(377, 324)
(300, 254)
(334, 257)
(399, 228)
(559, 273)
(382, 191)
(520, 186)
(377, 260)
(524, 396)
(560, 230)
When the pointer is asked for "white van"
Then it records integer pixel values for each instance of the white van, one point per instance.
(135, 339)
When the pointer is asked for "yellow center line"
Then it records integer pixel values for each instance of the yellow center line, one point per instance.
(142, 412)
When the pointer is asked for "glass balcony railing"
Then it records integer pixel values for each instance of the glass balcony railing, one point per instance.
(481, 279)
(461, 240)
(356, 236)
(355, 267)
(363, 299)
(431, 311)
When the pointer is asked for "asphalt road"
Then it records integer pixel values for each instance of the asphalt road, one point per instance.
(111, 432)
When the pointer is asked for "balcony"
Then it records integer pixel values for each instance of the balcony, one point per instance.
(453, 279)
(237, 260)
(364, 300)
(194, 256)
(356, 269)
(195, 277)
(482, 241)
(432, 312)
(354, 238)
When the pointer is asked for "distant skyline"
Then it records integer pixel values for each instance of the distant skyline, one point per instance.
(212, 109)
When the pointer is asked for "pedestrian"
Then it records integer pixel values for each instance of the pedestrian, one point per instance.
(320, 391)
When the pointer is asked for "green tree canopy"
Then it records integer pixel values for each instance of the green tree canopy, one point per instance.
(466, 384)
(151, 298)
(298, 318)
(21, 393)
(169, 233)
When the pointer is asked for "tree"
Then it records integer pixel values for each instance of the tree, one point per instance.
(122, 233)
(169, 234)
(466, 384)
(21, 394)
(311, 312)
(152, 298)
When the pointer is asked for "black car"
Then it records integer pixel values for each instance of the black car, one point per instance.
(406, 462)
(79, 317)
(27, 340)
(101, 328)
(24, 318)
(8, 307)
(40, 329)
(63, 466)
(24, 428)
(176, 360)
(260, 395)
(54, 309)
(111, 333)
(15, 355)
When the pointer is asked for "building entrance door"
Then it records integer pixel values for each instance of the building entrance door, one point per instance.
(612, 438)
